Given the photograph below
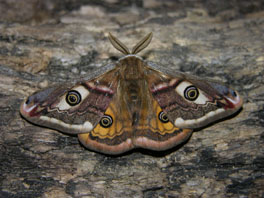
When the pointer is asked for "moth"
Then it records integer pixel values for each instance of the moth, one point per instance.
(132, 104)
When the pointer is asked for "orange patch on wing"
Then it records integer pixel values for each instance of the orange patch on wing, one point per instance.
(149, 121)
(120, 123)
(154, 124)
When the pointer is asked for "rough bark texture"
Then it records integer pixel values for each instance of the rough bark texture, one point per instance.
(46, 42)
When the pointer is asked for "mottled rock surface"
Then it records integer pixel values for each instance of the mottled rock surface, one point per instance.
(46, 42)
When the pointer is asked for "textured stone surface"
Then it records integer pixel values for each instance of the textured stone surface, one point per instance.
(222, 40)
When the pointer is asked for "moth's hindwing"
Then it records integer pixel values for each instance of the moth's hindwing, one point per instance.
(117, 132)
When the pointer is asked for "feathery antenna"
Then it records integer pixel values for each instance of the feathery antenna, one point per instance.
(136, 49)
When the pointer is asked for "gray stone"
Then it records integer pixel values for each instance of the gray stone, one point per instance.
(55, 42)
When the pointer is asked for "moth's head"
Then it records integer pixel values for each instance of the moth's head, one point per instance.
(204, 102)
